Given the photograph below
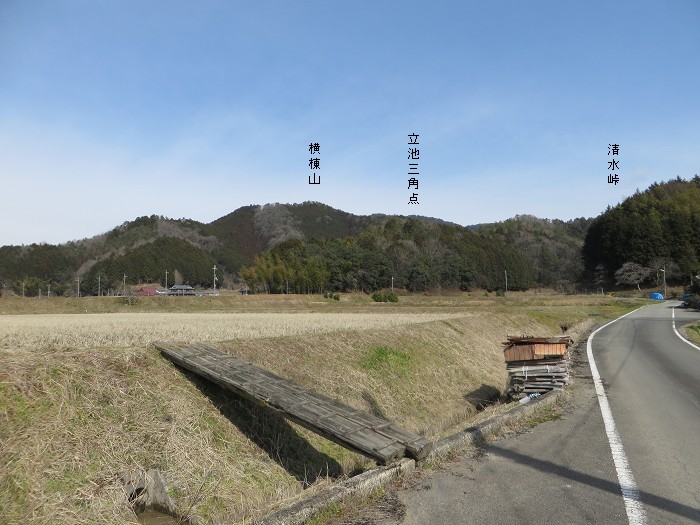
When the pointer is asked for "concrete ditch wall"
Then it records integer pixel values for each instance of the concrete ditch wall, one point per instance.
(365, 483)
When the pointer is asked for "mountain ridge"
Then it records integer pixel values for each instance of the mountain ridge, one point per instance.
(418, 252)
(232, 241)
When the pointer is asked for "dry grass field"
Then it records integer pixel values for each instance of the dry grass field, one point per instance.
(84, 397)
(42, 331)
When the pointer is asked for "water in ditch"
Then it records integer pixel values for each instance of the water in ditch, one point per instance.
(153, 517)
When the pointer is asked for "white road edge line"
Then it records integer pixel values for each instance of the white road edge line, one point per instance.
(673, 318)
(630, 494)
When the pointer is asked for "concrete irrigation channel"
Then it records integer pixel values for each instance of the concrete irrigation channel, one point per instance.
(367, 482)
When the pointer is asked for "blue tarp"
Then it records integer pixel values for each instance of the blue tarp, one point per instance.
(657, 296)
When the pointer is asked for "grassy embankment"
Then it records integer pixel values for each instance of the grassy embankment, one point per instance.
(83, 397)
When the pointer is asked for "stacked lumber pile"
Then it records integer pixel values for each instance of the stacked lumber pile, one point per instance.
(536, 364)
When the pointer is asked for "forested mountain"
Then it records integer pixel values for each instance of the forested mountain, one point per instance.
(146, 264)
(657, 228)
(309, 246)
(552, 246)
(248, 231)
(417, 254)
(31, 268)
(37, 266)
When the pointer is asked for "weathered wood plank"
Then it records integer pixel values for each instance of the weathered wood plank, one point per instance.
(354, 429)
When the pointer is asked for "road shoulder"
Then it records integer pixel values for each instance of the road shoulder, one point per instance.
(543, 457)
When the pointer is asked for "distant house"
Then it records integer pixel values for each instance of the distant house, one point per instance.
(147, 291)
(181, 289)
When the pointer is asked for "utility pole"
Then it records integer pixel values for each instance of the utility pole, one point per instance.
(78, 279)
(124, 292)
(392, 283)
(664, 270)
(23, 287)
(48, 293)
(215, 279)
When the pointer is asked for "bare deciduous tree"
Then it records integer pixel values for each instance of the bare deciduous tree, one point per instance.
(632, 273)
(276, 223)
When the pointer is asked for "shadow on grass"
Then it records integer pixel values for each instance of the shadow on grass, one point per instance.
(373, 405)
(271, 432)
(483, 396)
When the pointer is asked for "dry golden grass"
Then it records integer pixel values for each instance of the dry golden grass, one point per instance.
(418, 375)
(130, 329)
(356, 302)
(83, 398)
(73, 420)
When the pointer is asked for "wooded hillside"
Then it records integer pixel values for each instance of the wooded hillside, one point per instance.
(419, 255)
(653, 229)
(187, 264)
(552, 246)
(309, 246)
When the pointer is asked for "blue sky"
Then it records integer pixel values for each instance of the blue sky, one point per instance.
(112, 110)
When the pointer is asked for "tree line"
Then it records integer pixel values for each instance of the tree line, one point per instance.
(404, 252)
(313, 248)
(552, 246)
(656, 229)
(37, 267)
(186, 264)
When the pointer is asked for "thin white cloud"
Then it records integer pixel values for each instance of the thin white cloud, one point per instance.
(60, 182)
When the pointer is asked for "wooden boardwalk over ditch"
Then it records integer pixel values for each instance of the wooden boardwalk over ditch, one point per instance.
(355, 429)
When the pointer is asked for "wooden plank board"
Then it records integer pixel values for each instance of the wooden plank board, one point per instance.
(357, 430)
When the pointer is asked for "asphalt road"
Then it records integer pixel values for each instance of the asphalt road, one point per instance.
(562, 472)
(653, 383)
